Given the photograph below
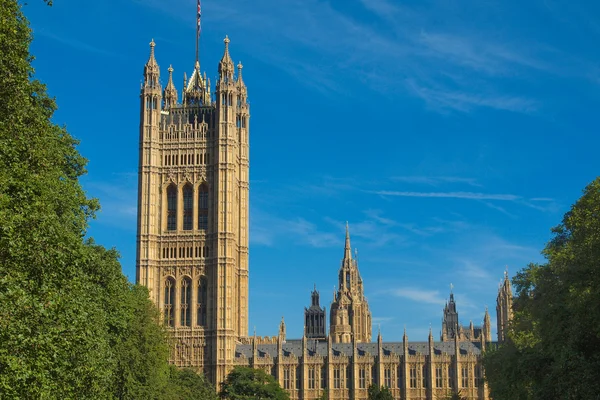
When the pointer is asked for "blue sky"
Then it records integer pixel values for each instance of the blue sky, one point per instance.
(450, 135)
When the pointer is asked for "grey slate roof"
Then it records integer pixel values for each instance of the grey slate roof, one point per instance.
(294, 347)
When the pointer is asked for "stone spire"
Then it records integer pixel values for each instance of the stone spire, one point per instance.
(226, 64)
(151, 70)
(170, 93)
(504, 307)
(347, 247)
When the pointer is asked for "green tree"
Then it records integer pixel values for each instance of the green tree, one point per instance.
(379, 393)
(186, 384)
(71, 325)
(553, 345)
(244, 383)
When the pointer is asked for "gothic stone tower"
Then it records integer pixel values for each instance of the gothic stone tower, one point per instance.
(315, 318)
(350, 315)
(192, 243)
(504, 307)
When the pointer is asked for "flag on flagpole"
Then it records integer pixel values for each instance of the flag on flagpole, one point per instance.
(199, 17)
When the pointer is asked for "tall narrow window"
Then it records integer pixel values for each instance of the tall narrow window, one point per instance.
(478, 376)
(186, 300)
(202, 297)
(413, 377)
(171, 208)
(336, 377)
(374, 375)
(438, 377)
(170, 302)
(464, 374)
(348, 280)
(311, 378)
(387, 377)
(188, 206)
(203, 207)
(323, 377)
(362, 381)
(450, 377)
(286, 378)
(425, 375)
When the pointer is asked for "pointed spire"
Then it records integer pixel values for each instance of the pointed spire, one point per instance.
(170, 94)
(151, 59)
(347, 248)
(239, 67)
(405, 336)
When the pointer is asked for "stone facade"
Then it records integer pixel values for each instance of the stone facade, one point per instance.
(192, 244)
(192, 254)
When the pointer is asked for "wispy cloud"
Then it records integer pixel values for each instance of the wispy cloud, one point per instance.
(453, 195)
(118, 200)
(403, 57)
(419, 295)
(436, 180)
(266, 229)
(76, 44)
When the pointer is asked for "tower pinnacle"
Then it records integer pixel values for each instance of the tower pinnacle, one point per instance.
(347, 248)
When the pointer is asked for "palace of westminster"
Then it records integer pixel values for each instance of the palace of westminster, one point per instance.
(192, 254)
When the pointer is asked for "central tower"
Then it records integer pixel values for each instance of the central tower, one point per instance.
(350, 314)
(192, 243)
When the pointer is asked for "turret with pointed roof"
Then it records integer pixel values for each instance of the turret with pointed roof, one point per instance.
(504, 307)
(350, 314)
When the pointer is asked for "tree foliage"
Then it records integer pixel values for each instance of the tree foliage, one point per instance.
(245, 383)
(553, 346)
(71, 325)
(379, 393)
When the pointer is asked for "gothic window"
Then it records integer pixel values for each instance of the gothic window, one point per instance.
(311, 378)
(171, 208)
(465, 377)
(374, 375)
(438, 377)
(413, 377)
(387, 377)
(336, 377)
(186, 300)
(348, 280)
(478, 379)
(362, 378)
(203, 207)
(450, 376)
(188, 206)
(424, 376)
(170, 302)
(286, 378)
(323, 377)
(202, 298)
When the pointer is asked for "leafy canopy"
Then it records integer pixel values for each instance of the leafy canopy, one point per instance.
(245, 383)
(553, 346)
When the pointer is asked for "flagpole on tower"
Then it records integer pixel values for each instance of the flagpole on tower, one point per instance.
(198, 29)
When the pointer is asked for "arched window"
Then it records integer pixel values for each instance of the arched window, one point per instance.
(171, 208)
(186, 300)
(170, 302)
(203, 207)
(188, 206)
(202, 298)
(348, 280)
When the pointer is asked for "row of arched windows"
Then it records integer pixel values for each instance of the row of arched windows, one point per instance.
(186, 301)
(187, 159)
(188, 207)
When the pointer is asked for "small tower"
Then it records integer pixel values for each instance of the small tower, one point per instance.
(450, 327)
(282, 330)
(487, 327)
(349, 313)
(314, 318)
(504, 307)
(170, 93)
